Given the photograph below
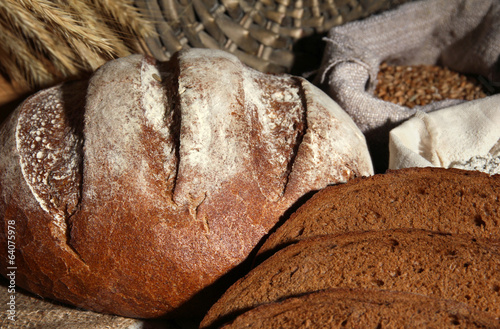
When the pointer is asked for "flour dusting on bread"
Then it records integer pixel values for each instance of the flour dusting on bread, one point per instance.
(178, 168)
(49, 154)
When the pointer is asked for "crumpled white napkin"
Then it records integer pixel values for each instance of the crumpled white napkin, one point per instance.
(463, 35)
(465, 136)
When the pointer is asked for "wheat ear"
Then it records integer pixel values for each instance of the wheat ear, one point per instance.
(22, 64)
(46, 41)
(66, 25)
(23, 25)
(123, 14)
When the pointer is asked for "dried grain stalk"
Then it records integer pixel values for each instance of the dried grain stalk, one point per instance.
(24, 66)
(68, 38)
(23, 27)
(124, 16)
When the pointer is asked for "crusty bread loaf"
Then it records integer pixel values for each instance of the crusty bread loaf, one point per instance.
(438, 199)
(134, 192)
(363, 308)
(437, 265)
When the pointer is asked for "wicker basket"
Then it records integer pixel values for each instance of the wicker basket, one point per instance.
(269, 35)
(45, 42)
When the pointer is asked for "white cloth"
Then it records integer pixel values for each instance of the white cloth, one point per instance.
(463, 35)
(464, 136)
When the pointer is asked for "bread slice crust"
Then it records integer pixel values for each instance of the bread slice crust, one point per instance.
(438, 199)
(363, 308)
(439, 265)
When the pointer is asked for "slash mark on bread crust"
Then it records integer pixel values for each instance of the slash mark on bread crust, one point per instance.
(302, 129)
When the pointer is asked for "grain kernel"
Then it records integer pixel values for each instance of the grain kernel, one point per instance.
(422, 84)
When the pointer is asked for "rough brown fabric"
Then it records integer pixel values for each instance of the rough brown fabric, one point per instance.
(447, 200)
(362, 308)
(463, 35)
(438, 265)
(33, 312)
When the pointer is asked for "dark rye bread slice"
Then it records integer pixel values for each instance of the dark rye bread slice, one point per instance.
(363, 308)
(438, 199)
(439, 265)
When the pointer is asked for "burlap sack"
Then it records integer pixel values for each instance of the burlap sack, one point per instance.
(33, 312)
(465, 136)
(463, 35)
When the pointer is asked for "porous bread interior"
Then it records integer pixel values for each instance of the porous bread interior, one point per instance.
(362, 308)
(439, 265)
(438, 199)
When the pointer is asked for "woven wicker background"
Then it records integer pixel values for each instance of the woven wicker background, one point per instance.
(45, 42)
(268, 35)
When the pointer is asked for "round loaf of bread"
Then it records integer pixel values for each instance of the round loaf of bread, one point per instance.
(134, 192)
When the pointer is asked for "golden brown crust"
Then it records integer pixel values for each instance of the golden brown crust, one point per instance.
(175, 172)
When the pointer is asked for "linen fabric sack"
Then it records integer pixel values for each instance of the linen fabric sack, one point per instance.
(29, 311)
(465, 136)
(463, 35)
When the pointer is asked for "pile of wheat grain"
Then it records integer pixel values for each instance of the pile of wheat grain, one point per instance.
(422, 84)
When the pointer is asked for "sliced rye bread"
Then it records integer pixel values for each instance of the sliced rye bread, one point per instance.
(439, 265)
(438, 199)
(363, 308)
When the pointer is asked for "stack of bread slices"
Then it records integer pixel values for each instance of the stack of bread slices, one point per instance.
(413, 247)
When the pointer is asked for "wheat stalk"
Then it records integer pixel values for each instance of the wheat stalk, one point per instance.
(24, 67)
(124, 15)
(23, 25)
(66, 38)
(63, 22)
(92, 17)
